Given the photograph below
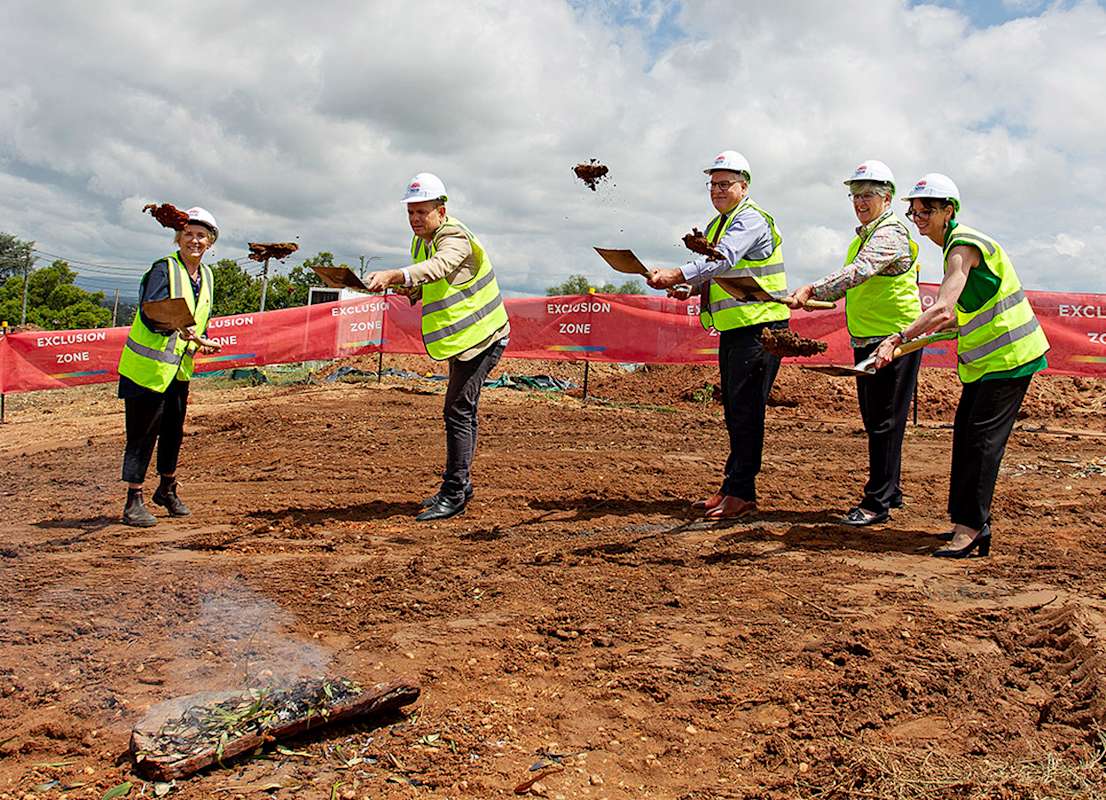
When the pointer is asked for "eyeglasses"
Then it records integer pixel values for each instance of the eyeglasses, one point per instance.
(866, 197)
(921, 213)
(721, 186)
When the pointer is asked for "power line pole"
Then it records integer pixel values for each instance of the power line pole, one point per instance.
(26, 280)
(115, 309)
(264, 283)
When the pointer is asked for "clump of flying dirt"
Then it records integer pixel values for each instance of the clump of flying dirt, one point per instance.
(167, 214)
(696, 242)
(263, 251)
(784, 342)
(591, 173)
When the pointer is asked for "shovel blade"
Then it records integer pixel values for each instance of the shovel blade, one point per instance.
(623, 261)
(837, 370)
(339, 278)
(171, 314)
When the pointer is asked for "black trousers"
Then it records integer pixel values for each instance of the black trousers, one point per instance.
(462, 396)
(884, 400)
(747, 372)
(154, 417)
(984, 419)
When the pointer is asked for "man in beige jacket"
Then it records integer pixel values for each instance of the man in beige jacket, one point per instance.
(464, 322)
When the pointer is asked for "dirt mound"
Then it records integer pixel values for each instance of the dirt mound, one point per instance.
(591, 173)
(577, 615)
(696, 242)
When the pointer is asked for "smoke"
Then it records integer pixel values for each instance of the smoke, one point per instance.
(241, 639)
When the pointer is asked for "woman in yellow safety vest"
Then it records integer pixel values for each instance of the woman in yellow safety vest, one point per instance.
(156, 365)
(879, 282)
(1000, 346)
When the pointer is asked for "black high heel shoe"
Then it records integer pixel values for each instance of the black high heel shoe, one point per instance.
(982, 540)
(948, 536)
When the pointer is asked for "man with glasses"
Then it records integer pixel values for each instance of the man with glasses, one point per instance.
(750, 245)
(879, 282)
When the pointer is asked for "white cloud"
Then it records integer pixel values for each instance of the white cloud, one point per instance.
(288, 120)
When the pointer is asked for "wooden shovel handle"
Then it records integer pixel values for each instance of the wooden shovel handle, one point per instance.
(819, 304)
(918, 344)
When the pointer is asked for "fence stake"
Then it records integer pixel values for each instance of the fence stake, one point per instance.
(383, 321)
(3, 332)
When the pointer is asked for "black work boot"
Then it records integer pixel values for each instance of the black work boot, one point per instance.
(166, 495)
(135, 512)
(434, 498)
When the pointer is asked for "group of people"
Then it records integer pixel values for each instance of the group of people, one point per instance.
(1000, 344)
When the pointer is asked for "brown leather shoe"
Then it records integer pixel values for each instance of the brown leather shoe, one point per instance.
(708, 503)
(732, 508)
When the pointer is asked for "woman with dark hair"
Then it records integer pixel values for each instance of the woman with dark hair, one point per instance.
(999, 347)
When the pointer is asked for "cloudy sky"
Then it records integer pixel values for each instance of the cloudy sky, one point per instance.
(289, 119)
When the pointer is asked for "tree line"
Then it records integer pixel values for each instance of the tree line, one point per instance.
(53, 301)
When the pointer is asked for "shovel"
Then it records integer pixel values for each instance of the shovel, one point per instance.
(623, 261)
(867, 366)
(746, 287)
(171, 314)
(339, 278)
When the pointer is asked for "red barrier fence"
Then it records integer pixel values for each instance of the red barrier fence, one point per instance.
(594, 327)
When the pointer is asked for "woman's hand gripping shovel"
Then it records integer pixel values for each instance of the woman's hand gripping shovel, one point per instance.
(867, 366)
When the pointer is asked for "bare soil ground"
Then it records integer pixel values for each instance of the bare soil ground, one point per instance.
(577, 618)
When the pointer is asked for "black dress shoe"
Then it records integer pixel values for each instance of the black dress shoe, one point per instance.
(442, 509)
(429, 501)
(982, 540)
(859, 517)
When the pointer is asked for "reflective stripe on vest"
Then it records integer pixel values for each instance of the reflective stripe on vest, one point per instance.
(152, 359)
(456, 318)
(719, 309)
(1004, 333)
(167, 355)
(883, 304)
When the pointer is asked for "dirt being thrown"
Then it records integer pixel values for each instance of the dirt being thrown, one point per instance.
(784, 342)
(263, 251)
(167, 214)
(696, 242)
(591, 173)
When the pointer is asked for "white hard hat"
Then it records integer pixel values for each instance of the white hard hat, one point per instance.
(201, 216)
(424, 186)
(872, 171)
(937, 186)
(731, 160)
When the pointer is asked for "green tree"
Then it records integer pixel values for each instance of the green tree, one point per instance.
(15, 257)
(236, 291)
(286, 291)
(54, 302)
(579, 284)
